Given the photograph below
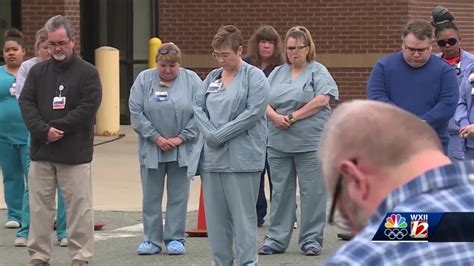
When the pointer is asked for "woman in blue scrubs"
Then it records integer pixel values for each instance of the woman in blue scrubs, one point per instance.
(230, 114)
(264, 52)
(300, 92)
(448, 39)
(14, 149)
(161, 113)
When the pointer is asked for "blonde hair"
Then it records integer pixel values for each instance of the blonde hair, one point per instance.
(303, 34)
(40, 36)
(169, 52)
(228, 35)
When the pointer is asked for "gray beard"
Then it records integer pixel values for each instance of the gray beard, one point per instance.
(59, 57)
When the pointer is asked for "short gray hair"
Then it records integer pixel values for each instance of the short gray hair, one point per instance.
(59, 21)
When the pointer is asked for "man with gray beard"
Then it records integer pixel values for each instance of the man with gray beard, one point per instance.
(59, 101)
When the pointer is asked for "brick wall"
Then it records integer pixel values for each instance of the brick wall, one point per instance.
(463, 11)
(36, 12)
(339, 27)
(360, 31)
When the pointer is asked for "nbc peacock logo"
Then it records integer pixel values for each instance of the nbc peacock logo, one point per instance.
(395, 227)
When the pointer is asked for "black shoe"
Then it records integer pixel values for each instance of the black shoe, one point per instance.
(345, 236)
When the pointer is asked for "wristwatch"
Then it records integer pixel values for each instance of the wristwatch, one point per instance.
(291, 119)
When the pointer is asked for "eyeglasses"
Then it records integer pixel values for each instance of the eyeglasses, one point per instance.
(415, 50)
(58, 44)
(296, 48)
(222, 56)
(450, 41)
(165, 51)
(338, 220)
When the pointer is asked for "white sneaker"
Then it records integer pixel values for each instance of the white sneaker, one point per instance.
(12, 225)
(21, 242)
(63, 242)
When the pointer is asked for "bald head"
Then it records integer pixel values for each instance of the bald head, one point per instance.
(381, 133)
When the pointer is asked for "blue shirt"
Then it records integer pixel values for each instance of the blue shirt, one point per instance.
(445, 189)
(467, 59)
(430, 92)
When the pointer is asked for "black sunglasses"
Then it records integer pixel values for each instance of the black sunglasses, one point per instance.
(450, 41)
(170, 51)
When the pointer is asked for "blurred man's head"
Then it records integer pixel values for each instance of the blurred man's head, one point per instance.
(367, 150)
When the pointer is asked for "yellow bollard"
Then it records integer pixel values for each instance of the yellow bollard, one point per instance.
(108, 115)
(153, 45)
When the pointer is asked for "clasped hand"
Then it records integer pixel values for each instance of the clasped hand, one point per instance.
(467, 131)
(281, 121)
(54, 134)
(168, 144)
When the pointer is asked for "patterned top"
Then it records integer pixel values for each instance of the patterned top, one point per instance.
(445, 189)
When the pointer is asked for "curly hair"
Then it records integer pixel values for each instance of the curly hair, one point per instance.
(265, 33)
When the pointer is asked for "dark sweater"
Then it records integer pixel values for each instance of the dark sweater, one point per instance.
(430, 92)
(83, 92)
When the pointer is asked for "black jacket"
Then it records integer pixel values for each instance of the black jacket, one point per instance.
(83, 92)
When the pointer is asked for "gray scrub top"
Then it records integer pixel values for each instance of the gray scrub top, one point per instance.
(232, 122)
(158, 110)
(287, 96)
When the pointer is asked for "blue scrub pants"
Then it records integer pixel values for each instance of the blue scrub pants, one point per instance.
(456, 147)
(469, 154)
(177, 189)
(14, 160)
(229, 200)
(285, 168)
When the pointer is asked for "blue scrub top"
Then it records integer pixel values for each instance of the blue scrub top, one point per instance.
(13, 129)
(287, 96)
(159, 110)
(232, 123)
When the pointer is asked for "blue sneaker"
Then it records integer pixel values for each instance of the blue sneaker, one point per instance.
(312, 250)
(148, 248)
(267, 250)
(175, 247)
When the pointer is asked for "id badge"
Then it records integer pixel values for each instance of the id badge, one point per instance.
(59, 103)
(214, 87)
(161, 96)
(12, 91)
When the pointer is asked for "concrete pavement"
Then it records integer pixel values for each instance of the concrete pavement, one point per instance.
(117, 201)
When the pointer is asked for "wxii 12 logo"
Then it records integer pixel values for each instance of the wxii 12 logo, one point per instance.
(419, 226)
